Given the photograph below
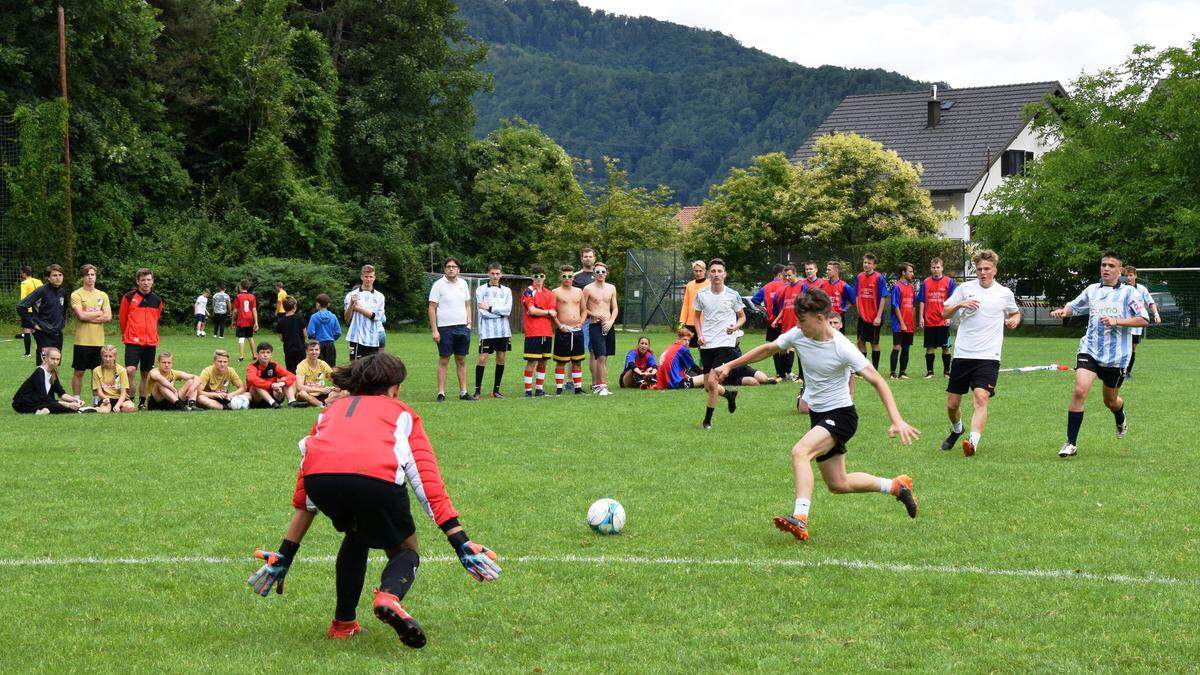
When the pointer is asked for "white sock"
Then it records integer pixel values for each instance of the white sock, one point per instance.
(974, 438)
(462, 392)
(802, 507)
(885, 485)
(957, 426)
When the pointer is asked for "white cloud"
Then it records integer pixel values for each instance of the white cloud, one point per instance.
(990, 43)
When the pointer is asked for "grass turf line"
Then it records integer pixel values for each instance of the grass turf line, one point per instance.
(523, 472)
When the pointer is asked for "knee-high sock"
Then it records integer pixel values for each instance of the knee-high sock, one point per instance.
(892, 360)
(577, 376)
(351, 570)
(787, 362)
(780, 365)
(946, 362)
(929, 362)
(875, 358)
(1074, 421)
(904, 359)
(400, 572)
(541, 376)
(528, 379)
(1129, 368)
(26, 337)
(478, 377)
(559, 376)
(496, 380)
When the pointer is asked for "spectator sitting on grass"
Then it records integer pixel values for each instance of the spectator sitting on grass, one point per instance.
(43, 394)
(220, 384)
(171, 389)
(110, 384)
(314, 379)
(640, 366)
(270, 383)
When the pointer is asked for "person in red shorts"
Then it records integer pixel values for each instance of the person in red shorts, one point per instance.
(931, 297)
(245, 318)
(355, 462)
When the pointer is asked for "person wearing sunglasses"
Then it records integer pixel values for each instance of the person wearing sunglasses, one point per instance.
(600, 299)
(539, 303)
(568, 334)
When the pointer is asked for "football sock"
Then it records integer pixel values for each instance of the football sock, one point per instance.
(528, 379)
(894, 357)
(499, 375)
(731, 396)
(957, 427)
(26, 337)
(929, 363)
(478, 378)
(351, 572)
(577, 379)
(559, 374)
(885, 486)
(708, 413)
(904, 359)
(801, 507)
(1120, 415)
(400, 572)
(541, 377)
(780, 370)
(1128, 369)
(945, 363)
(1074, 421)
(875, 358)
(787, 362)
(973, 437)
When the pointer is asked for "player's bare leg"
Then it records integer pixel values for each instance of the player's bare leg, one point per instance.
(460, 369)
(980, 398)
(1079, 393)
(715, 391)
(443, 362)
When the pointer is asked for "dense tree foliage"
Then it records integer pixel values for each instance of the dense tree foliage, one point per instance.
(679, 106)
(1126, 175)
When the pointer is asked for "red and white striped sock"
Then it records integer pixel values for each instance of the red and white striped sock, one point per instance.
(577, 378)
(559, 376)
(528, 379)
(541, 377)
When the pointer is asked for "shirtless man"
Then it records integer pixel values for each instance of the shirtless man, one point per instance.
(568, 331)
(600, 298)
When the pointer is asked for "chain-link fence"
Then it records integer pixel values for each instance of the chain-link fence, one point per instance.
(654, 282)
(9, 265)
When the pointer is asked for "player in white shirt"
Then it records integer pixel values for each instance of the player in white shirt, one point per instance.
(985, 309)
(1151, 307)
(719, 315)
(494, 302)
(450, 326)
(200, 310)
(1114, 310)
(829, 358)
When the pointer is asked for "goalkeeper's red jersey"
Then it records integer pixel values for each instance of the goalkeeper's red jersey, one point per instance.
(374, 436)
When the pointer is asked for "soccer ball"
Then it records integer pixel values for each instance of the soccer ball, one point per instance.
(606, 516)
(239, 402)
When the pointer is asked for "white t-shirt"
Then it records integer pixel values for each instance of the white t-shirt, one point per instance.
(451, 299)
(719, 312)
(827, 368)
(201, 306)
(981, 331)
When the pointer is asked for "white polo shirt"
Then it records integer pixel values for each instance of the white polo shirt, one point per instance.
(451, 299)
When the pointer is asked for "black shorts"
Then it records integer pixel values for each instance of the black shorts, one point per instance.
(717, 356)
(201, 318)
(141, 356)
(454, 340)
(694, 342)
(841, 423)
(26, 319)
(902, 339)
(538, 348)
(937, 336)
(374, 511)
(1112, 377)
(493, 345)
(163, 404)
(244, 331)
(85, 357)
(868, 332)
(1137, 339)
(358, 351)
(971, 374)
(736, 375)
(568, 346)
(600, 343)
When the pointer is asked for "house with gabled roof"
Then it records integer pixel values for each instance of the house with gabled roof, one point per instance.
(966, 140)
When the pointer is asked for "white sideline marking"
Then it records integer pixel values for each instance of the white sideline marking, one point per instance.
(1150, 580)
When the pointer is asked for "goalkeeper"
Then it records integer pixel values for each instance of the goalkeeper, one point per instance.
(355, 461)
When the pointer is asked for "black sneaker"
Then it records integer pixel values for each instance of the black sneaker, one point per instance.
(706, 425)
(579, 391)
(191, 406)
(297, 404)
(497, 394)
(948, 444)
(731, 398)
(905, 495)
(467, 397)
(540, 392)
(441, 398)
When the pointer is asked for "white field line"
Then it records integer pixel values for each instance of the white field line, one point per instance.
(870, 565)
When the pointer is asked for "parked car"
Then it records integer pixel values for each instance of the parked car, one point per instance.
(1170, 311)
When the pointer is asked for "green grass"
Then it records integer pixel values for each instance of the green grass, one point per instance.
(522, 473)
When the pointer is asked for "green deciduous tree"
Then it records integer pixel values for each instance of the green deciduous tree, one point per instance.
(1126, 175)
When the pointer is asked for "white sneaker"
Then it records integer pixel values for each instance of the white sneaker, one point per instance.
(42, 411)
(1123, 429)
(1068, 450)
(603, 391)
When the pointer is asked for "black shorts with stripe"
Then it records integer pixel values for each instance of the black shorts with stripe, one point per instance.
(538, 348)
(841, 423)
(568, 346)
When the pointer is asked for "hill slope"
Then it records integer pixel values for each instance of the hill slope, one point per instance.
(677, 105)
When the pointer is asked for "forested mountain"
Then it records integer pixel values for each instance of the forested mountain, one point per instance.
(677, 105)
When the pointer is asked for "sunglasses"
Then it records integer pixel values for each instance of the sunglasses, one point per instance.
(539, 276)
(568, 276)
(601, 271)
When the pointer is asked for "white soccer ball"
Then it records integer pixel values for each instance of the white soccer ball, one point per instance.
(606, 516)
(239, 402)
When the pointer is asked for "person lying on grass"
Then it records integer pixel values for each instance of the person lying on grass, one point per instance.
(362, 450)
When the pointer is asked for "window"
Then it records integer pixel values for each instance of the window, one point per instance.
(1013, 162)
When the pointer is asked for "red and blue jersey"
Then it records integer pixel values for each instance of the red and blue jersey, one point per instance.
(674, 365)
(904, 300)
(934, 291)
(765, 297)
(840, 294)
(785, 304)
(872, 289)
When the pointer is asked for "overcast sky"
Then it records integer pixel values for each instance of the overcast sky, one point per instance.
(963, 44)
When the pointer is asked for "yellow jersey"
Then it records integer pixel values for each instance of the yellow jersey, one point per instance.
(320, 375)
(211, 380)
(28, 286)
(89, 302)
(109, 383)
(279, 298)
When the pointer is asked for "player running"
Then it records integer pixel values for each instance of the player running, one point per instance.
(987, 308)
(1151, 306)
(354, 465)
(720, 316)
(931, 296)
(1114, 310)
(829, 359)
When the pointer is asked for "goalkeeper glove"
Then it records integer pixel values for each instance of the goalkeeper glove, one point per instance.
(270, 574)
(479, 561)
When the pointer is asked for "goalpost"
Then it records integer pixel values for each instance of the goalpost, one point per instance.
(1176, 292)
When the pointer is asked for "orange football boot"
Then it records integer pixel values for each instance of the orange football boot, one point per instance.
(902, 490)
(389, 610)
(343, 630)
(797, 526)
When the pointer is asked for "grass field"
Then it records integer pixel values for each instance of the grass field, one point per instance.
(126, 539)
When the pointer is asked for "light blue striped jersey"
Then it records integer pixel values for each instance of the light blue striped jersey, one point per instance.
(1149, 300)
(362, 330)
(1110, 346)
(494, 323)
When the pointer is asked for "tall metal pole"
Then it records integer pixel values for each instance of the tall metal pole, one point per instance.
(62, 71)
